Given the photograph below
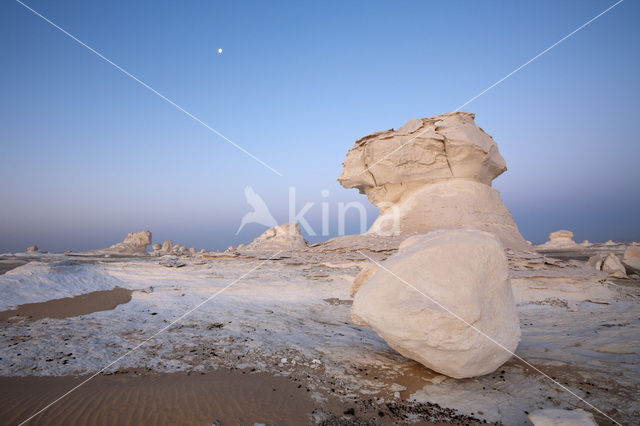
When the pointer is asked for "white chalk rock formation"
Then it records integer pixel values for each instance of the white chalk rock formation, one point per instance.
(32, 249)
(559, 417)
(432, 173)
(281, 237)
(560, 240)
(609, 263)
(462, 272)
(167, 247)
(631, 259)
(135, 244)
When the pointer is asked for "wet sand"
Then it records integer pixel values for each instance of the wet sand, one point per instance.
(84, 304)
(226, 397)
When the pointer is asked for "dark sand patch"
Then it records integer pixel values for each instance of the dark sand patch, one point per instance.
(228, 397)
(84, 304)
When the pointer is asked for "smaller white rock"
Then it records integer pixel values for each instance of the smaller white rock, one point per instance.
(613, 266)
(558, 417)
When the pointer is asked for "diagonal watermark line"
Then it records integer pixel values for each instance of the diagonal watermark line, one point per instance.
(368, 168)
(181, 317)
(488, 337)
(145, 85)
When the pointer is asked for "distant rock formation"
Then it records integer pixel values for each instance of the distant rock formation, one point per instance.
(135, 244)
(631, 259)
(432, 173)
(410, 300)
(560, 240)
(281, 237)
(167, 246)
(32, 249)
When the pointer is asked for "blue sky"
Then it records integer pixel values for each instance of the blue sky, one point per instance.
(87, 154)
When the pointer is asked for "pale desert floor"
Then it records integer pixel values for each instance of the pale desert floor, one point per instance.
(287, 326)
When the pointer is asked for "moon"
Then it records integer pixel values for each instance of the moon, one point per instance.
(220, 50)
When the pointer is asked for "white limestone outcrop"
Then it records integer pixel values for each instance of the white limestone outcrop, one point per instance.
(432, 173)
(135, 244)
(281, 237)
(423, 300)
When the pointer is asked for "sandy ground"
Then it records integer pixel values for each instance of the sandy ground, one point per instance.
(225, 397)
(289, 322)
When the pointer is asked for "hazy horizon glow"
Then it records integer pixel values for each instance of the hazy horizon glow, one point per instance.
(89, 155)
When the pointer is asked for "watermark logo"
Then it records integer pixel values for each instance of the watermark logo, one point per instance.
(387, 223)
(260, 214)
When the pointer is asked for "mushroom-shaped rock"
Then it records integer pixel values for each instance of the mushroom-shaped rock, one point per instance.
(281, 237)
(156, 247)
(432, 173)
(631, 259)
(32, 249)
(560, 240)
(444, 300)
(558, 417)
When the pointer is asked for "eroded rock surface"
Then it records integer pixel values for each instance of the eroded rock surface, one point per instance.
(423, 300)
(432, 173)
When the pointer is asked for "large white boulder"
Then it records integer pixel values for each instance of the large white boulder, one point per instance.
(281, 237)
(631, 259)
(430, 299)
(559, 417)
(432, 173)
